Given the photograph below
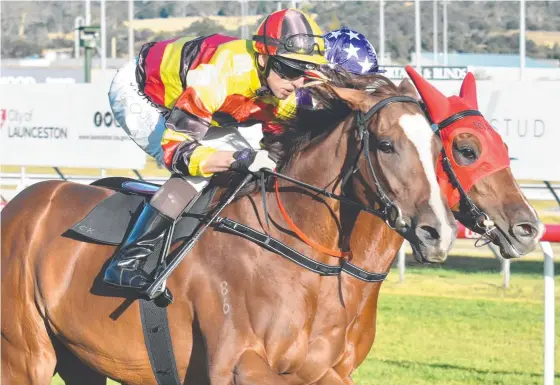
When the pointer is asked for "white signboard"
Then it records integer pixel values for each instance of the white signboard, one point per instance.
(527, 119)
(63, 125)
(428, 72)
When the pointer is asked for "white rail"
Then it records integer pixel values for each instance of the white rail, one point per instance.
(533, 191)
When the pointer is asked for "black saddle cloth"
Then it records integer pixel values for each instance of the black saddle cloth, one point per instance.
(111, 219)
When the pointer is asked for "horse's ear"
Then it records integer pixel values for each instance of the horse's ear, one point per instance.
(468, 91)
(437, 103)
(353, 98)
(407, 88)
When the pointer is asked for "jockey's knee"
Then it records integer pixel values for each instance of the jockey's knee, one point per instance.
(175, 195)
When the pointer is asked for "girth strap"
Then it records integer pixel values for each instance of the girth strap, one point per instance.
(287, 252)
(157, 338)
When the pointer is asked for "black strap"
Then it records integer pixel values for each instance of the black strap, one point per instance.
(458, 116)
(390, 211)
(474, 216)
(356, 272)
(285, 251)
(276, 246)
(158, 342)
(265, 208)
(363, 118)
(326, 193)
(157, 337)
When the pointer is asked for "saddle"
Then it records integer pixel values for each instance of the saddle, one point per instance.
(109, 222)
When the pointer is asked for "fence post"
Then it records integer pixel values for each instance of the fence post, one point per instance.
(548, 313)
(505, 263)
(401, 262)
(22, 178)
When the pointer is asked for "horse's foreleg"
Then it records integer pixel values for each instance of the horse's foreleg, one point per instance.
(29, 360)
(252, 369)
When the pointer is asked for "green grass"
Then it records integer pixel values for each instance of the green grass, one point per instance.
(428, 340)
(455, 324)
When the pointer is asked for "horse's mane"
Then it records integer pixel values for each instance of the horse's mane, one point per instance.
(330, 111)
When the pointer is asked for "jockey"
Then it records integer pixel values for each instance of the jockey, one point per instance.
(348, 49)
(169, 97)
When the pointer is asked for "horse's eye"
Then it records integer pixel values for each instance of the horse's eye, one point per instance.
(386, 146)
(468, 153)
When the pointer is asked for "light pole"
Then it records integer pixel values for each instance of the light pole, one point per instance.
(445, 59)
(103, 37)
(435, 32)
(522, 41)
(130, 29)
(417, 34)
(382, 29)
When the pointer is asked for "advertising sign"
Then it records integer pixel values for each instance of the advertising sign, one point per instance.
(62, 125)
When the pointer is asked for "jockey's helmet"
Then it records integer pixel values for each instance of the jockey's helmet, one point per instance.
(352, 51)
(292, 39)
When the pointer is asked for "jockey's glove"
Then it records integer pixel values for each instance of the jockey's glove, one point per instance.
(249, 160)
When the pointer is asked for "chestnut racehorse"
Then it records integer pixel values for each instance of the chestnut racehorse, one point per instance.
(57, 311)
(344, 328)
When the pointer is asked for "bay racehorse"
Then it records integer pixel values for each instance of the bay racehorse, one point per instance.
(344, 327)
(250, 311)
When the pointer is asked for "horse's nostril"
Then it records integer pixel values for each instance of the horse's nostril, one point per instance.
(525, 230)
(430, 231)
(427, 234)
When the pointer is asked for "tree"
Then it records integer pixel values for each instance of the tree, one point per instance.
(20, 48)
(204, 27)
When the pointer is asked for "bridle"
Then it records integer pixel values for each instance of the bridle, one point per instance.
(388, 211)
(469, 213)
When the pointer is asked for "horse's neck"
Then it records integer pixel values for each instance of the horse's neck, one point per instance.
(374, 247)
(319, 164)
(320, 161)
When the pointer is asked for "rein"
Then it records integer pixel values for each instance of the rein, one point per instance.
(301, 234)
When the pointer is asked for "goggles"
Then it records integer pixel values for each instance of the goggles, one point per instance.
(300, 43)
(284, 70)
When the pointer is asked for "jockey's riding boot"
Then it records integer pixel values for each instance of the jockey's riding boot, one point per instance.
(125, 270)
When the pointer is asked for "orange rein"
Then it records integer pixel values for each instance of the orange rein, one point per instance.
(300, 233)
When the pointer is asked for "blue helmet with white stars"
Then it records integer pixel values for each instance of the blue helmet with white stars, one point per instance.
(351, 50)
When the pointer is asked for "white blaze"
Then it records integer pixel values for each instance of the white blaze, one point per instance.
(420, 134)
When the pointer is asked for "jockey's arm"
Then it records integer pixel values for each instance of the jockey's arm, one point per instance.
(219, 161)
(191, 118)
